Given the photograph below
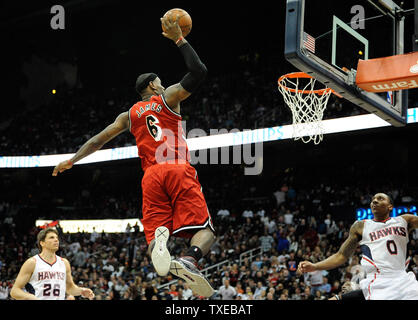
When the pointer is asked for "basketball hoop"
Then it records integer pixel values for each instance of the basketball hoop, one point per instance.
(307, 105)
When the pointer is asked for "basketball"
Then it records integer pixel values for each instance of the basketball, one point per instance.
(185, 21)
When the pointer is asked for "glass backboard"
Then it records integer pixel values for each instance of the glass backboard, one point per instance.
(327, 38)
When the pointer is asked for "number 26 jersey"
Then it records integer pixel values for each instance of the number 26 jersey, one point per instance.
(48, 281)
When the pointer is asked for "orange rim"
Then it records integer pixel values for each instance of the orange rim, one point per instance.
(295, 75)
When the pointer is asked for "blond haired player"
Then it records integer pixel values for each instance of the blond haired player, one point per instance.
(383, 242)
(47, 276)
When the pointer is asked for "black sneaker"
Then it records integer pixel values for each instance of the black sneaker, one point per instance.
(186, 268)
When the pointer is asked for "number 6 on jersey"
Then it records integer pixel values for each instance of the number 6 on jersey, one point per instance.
(153, 129)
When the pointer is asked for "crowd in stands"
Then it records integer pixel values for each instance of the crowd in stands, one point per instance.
(116, 267)
(284, 217)
(244, 99)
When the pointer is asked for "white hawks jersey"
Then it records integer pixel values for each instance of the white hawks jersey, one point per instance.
(384, 245)
(48, 281)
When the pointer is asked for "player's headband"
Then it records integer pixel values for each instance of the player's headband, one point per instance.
(143, 80)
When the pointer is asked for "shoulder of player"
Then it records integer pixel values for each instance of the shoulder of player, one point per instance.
(411, 220)
(29, 264)
(124, 116)
(407, 217)
(357, 228)
(166, 104)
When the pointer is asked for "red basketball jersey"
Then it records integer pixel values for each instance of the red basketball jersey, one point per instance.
(158, 133)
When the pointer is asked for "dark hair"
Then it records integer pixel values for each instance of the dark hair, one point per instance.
(390, 199)
(42, 235)
(143, 80)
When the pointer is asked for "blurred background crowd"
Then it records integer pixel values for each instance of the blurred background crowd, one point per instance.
(65, 86)
(255, 256)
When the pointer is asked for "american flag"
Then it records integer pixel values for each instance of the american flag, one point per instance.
(309, 42)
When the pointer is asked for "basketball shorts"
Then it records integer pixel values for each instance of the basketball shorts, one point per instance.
(172, 197)
(391, 286)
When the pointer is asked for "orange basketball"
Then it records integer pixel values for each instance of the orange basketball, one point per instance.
(185, 21)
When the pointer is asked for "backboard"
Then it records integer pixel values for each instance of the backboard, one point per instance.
(326, 39)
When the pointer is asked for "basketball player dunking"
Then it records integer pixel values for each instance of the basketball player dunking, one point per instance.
(47, 276)
(383, 242)
(173, 202)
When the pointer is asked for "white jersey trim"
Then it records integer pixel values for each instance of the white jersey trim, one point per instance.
(207, 223)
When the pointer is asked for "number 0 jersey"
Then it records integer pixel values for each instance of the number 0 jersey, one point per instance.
(48, 281)
(384, 245)
(158, 133)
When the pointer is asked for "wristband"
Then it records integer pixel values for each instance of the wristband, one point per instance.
(179, 39)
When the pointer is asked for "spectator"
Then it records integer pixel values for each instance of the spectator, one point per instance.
(315, 280)
(226, 291)
(288, 217)
(247, 214)
(4, 290)
(174, 292)
(223, 213)
(80, 257)
(187, 292)
(259, 291)
(282, 242)
(326, 287)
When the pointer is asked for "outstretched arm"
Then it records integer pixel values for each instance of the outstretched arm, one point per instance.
(339, 258)
(95, 143)
(197, 70)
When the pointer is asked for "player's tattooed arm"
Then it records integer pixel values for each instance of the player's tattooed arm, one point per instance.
(339, 258)
(350, 244)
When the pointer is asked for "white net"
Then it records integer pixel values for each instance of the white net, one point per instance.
(307, 105)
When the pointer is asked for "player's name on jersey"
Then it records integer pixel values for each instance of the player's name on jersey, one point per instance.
(153, 107)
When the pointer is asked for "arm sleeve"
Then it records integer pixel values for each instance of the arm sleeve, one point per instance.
(197, 70)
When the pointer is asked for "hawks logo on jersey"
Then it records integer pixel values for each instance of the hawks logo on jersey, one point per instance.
(396, 231)
(51, 275)
(383, 244)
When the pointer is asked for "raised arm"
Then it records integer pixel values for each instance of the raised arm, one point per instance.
(339, 258)
(22, 279)
(197, 70)
(95, 143)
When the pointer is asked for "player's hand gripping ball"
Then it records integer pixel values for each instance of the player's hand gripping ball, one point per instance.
(184, 20)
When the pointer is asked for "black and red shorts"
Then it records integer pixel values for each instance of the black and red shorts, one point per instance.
(172, 197)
